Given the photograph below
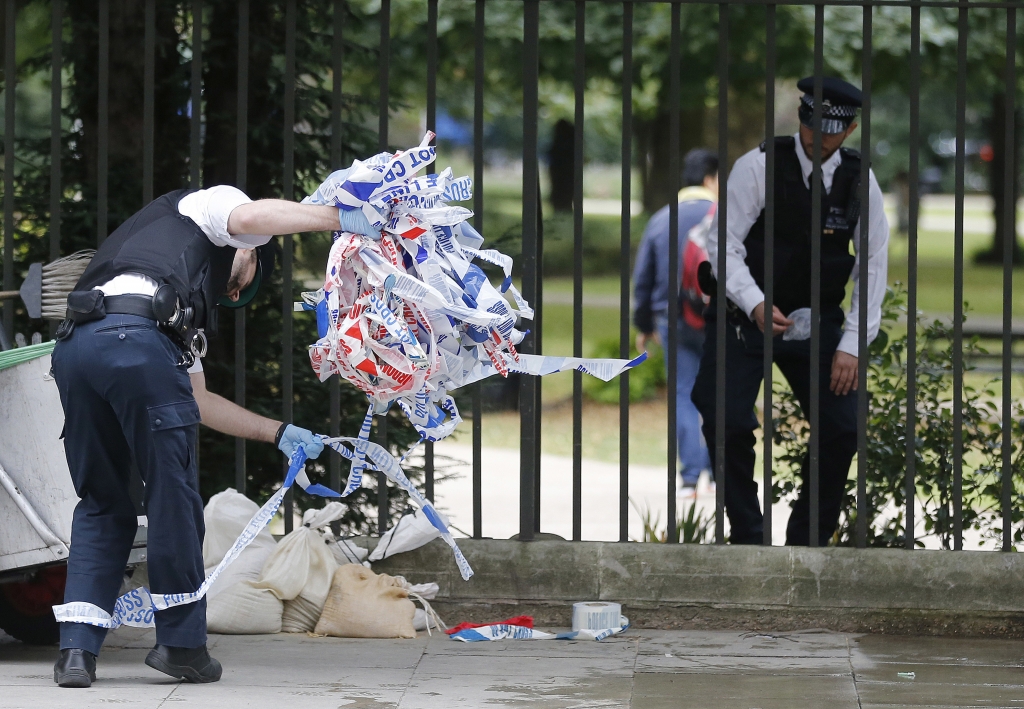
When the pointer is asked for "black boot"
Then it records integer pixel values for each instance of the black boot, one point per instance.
(75, 668)
(190, 663)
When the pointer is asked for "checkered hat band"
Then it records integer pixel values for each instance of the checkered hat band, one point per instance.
(829, 110)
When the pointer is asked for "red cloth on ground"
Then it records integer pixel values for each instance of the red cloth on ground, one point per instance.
(525, 621)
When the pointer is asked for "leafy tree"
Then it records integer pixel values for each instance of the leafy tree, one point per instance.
(651, 34)
(172, 124)
(986, 58)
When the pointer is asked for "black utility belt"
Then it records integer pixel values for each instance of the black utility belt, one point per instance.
(164, 308)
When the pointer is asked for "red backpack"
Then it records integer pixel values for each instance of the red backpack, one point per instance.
(691, 298)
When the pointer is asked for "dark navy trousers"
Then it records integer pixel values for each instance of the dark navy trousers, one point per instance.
(126, 397)
(744, 371)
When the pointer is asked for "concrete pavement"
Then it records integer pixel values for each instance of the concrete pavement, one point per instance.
(642, 669)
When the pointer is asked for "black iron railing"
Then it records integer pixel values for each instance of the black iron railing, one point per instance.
(532, 229)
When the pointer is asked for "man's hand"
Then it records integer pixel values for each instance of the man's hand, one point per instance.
(228, 417)
(644, 338)
(844, 373)
(780, 323)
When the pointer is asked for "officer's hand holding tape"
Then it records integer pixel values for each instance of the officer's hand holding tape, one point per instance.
(354, 221)
(290, 437)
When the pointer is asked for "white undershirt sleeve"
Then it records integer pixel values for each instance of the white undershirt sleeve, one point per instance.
(210, 209)
(878, 271)
(746, 200)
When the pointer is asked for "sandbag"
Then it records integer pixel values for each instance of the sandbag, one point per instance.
(362, 604)
(345, 551)
(226, 515)
(410, 532)
(299, 615)
(234, 605)
(244, 609)
(301, 567)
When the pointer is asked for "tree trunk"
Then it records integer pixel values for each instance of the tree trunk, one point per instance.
(652, 143)
(560, 165)
(220, 87)
(1001, 152)
(125, 101)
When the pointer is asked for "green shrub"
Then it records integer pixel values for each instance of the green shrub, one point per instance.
(934, 440)
(644, 381)
(693, 527)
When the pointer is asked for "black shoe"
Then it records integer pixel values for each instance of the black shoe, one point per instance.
(75, 668)
(189, 663)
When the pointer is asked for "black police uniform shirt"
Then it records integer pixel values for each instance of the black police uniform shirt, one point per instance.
(746, 190)
(209, 209)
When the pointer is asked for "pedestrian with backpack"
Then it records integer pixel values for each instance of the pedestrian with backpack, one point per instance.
(697, 200)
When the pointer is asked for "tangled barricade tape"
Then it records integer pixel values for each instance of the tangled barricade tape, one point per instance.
(405, 314)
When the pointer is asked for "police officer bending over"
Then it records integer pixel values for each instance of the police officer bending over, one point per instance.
(840, 226)
(132, 387)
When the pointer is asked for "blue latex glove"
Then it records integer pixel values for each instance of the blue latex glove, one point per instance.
(294, 436)
(355, 221)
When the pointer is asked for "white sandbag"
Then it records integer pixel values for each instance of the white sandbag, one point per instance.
(421, 621)
(226, 515)
(346, 551)
(301, 566)
(425, 617)
(244, 609)
(299, 616)
(410, 532)
(317, 519)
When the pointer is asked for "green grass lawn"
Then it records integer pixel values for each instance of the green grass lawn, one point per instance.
(983, 291)
(983, 284)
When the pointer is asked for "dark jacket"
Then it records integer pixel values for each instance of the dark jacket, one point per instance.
(651, 274)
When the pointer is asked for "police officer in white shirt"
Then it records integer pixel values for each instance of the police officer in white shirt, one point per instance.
(127, 368)
(840, 235)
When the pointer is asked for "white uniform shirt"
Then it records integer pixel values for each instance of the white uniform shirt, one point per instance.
(746, 191)
(209, 209)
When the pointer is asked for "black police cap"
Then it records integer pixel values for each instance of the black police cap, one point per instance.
(836, 91)
(264, 270)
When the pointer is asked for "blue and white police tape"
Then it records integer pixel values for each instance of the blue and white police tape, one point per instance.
(136, 608)
(386, 463)
(404, 314)
(503, 631)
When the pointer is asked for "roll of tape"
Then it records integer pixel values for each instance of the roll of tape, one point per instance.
(595, 615)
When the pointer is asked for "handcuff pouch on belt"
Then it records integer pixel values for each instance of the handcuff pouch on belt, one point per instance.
(177, 321)
(709, 284)
(83, 307)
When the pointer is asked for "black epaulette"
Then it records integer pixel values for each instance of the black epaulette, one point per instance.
(781, 141)
(850, 153)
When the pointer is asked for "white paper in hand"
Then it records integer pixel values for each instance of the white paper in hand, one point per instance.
(801, 327)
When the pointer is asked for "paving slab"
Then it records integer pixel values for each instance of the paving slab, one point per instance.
(641, 669)
(656, 690)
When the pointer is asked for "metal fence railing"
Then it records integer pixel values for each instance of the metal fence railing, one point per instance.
(532, 225)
